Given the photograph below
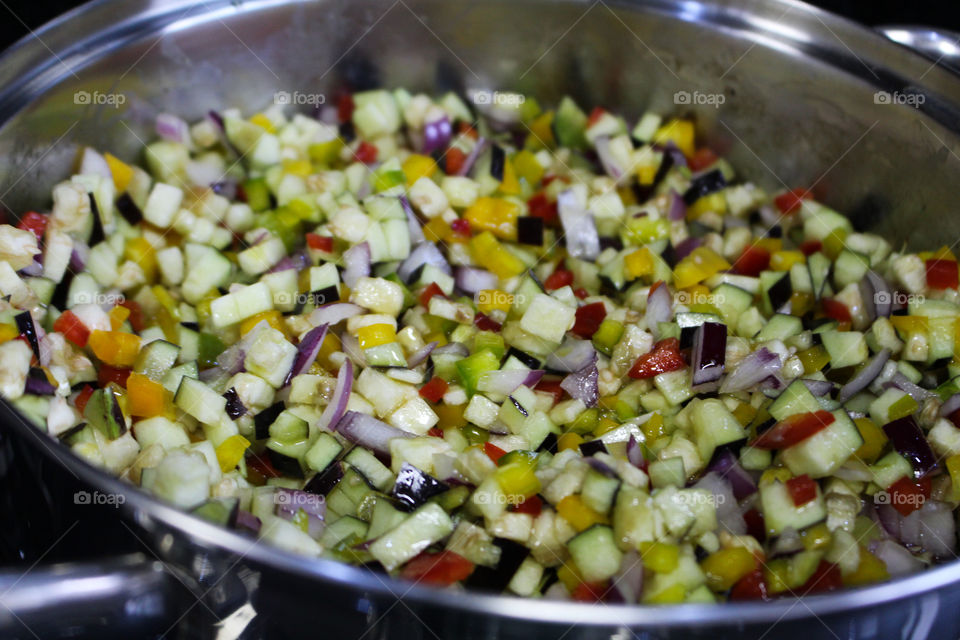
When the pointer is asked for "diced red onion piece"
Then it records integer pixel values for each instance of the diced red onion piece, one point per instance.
(583, 384)
(369, 432)
(421, 355)
(471, 159)
(356, 262)
(334, 411)
(505, 382)
(37, 386)
(578, 227)
(423, 253)
(628, 580)
(659, 309)
(307, 352)
(436, 135)
(752, 370)
(203, 174)
(916, 392)
(726, 465)
(472, 280)
(899, 560)
(818, 387)
(299, 261)
(413, 224)
(635, 453)
(248, 522)
(331, 314)
(351, 347)
(291, 501)
(877, 296)
(729, 517)
(952, 404)
(909, 441)
(678, 208)
(452, 349)
(173, 128)
(607, 160)
(572, 355)
(865, 376)
(937, 528)
(709, 351)
(686, 247)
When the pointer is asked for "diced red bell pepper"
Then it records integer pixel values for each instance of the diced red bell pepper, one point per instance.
(436, 432)
(551, 386)
(493, 452)
(432, 289)
(558, 279)
(590, 591)
(486, 323)
(906, 496)
(366, 153)
(72, 328)
(108, 374)
(756, 527)
(581, 293)
(802, 489)
(34, 222)
(836, 310)
(793, 429)
(453, 160)
(942, 274)
(344, 107)
(136, 314)
(261, 464)
(825, 578)
(595, 115)
(540, 207)
(81, 401)
(468, 130)
(752, 261)
(663, 358)
(461, 227)
(752, 586)
(810, 247)
(443, 568)
(531, 505)
(792, 200)
(701, 159)
(588, 319)
(319, 242)
(434, 389)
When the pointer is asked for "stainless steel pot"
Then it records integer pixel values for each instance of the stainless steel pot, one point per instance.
(807, 99)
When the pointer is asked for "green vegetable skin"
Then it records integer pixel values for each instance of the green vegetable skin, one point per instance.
(225, 298)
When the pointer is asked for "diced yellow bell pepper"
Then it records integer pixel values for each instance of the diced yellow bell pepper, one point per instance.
(569, 440)
(744, 413)
(437, 230)
(273, 317)
(491, 255)
(909, 324)
(140, 251)
(509, 185)
(814, 359)
(301, 168)
(569, 576)
(450, 415)
(715, 202)
(800, 303)
(647, 173)
(770, 244)
(776, 573)
(122, 172)
(374, 335)
(116, 348)
(871, 569)
(8, 332)
(495, 215)
(263, 122)
(605, 425)
(953, 468)
(329, 346)
(679, 132)
(834, 243)
(774, 474)
(638, 263)
(659, 557)
(698, 266)
(541, 132)
(874, 440)
(518, 479)
(580, 516)
(944, 253)
(325, 153)
(902, 407)
(627, 196)
(118, 315)
(674, 594)
(494, 299)
(783, 260)
(725, 567)
(528, 167)
(816, 537)
(653, 427)
(231, 451)
(145, 397)
(203, 307)
(418, 166)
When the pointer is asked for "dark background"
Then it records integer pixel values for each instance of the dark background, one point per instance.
(18, 16)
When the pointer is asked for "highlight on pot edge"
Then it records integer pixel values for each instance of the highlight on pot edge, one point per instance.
(537, 351)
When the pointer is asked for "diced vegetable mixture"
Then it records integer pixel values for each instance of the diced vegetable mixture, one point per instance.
(525, 350)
